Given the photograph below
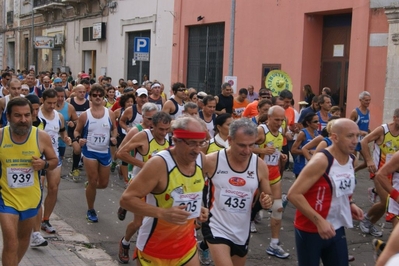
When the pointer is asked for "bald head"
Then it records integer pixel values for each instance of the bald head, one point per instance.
(343, 125)
(276, 110)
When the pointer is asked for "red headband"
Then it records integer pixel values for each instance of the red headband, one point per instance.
(185, 134)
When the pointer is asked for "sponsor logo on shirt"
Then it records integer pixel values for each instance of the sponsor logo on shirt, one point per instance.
(237, 181)
(221, 172)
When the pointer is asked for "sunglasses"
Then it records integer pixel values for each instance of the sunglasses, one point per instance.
(181, 89)
(315, 122)
(95, 95)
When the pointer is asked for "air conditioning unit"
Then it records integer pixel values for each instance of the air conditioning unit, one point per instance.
(59, 39)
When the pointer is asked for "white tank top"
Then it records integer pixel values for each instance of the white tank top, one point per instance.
(230, 199)
(52, 128)
(98, 132)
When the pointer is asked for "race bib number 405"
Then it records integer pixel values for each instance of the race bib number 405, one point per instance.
(235, 201)
(192, 201)
(19, 177)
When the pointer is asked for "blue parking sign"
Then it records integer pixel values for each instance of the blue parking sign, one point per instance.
(141, 48)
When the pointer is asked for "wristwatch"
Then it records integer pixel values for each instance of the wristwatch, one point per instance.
(46, 165)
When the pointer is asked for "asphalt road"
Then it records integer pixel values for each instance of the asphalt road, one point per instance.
(106, 234)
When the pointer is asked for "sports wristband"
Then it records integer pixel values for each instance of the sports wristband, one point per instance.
(394, 194)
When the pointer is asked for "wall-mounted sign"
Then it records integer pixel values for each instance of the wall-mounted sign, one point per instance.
(44, 42)
(338, 50)
(99, 30)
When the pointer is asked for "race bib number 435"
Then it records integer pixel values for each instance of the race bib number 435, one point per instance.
(235, 201)
(19, 177)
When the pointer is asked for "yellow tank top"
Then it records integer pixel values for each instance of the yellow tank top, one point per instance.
(213, 146)
(165, 240)
(384, 152)
(272, 141)
(153, 148)
(19, 183)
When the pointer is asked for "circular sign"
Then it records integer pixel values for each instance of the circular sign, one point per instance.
(278, 80)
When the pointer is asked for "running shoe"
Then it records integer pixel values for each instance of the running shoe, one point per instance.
(92, 216)
(253, 227)
(378, 246)
(351, 258)
(121, 213)
(113, 166)
(37, 240)
(284, 199)
(368, 228)
(372, 195)
(277, 252)
(203, 255)
(123, 254)
(46, 226)
(75, 174)
(373, 230)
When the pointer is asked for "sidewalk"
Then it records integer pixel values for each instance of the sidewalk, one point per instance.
(66, 248)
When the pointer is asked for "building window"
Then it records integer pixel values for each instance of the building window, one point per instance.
(205, 57)
(10, 17)
(88, 34)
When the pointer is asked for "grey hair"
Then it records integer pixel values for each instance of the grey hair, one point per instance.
(159, 117)
(149, 107)
(249, 127)
(364, 93)
(190, 105)
(273, 108)
(396, 112)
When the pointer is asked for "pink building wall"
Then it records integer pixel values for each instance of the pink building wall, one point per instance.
(288, 33)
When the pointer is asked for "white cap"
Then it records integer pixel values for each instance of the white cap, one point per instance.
(135, 82)
(141, 91)
(24, 87)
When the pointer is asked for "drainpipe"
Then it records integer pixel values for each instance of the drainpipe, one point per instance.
(33, 37)
(232, 32)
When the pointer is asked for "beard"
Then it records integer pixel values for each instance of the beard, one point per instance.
(20, 129)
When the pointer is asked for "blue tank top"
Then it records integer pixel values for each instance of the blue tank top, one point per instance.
(322, 123)
(300, 160)
(65, 114)
(363, 120)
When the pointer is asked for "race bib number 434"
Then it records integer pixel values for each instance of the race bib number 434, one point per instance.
(19, 177)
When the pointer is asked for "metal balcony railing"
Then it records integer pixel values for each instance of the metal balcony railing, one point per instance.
(38, 3)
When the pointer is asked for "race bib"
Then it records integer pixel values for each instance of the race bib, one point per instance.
(192, 201)
(19, 177)
(344, 184)
(273, 159)
(54, 139)
(99, 139)
(235, 201)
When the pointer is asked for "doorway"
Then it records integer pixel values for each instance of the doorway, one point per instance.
(89, 63)
(335, 57)
(137, 69)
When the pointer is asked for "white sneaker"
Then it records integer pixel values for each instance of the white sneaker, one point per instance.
(37, 240)
(253, 228)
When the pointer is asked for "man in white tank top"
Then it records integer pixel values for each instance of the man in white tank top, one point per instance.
(234, 176)
(322, 195)
(55, 127)
(95, 129)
